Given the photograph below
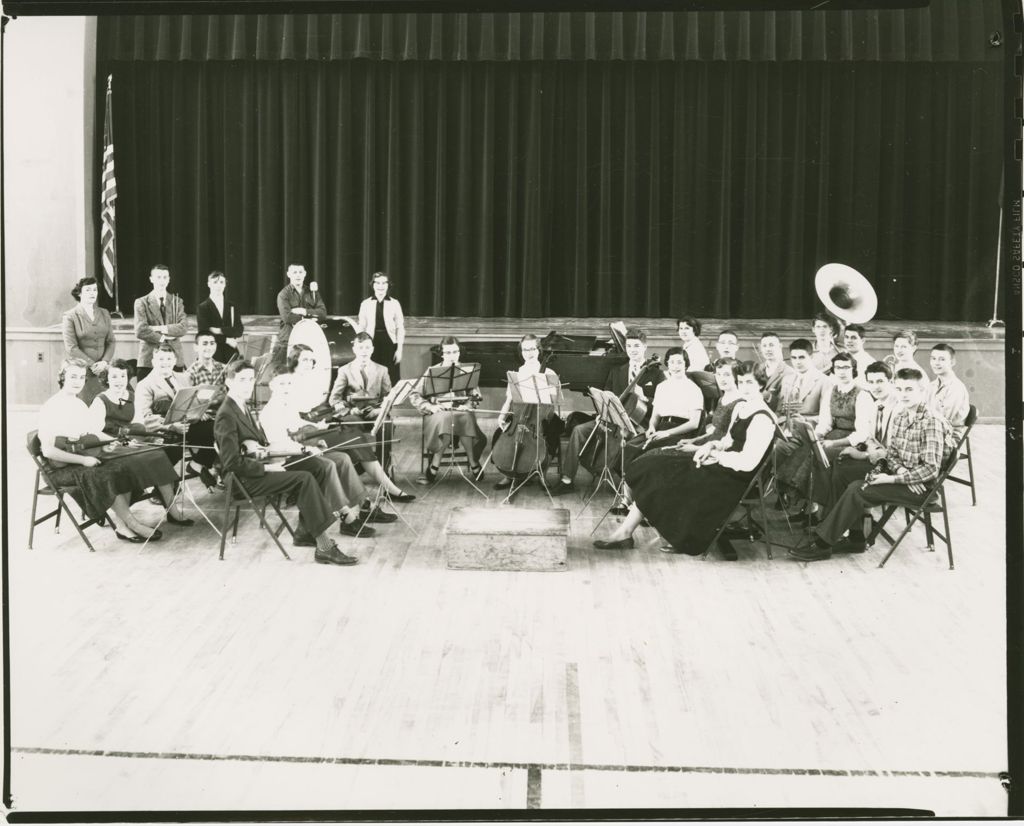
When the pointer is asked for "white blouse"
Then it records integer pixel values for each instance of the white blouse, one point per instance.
(64, 415)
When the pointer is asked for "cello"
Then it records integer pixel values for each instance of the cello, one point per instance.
(520, 448)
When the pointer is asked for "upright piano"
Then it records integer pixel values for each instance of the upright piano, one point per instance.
(579, 361)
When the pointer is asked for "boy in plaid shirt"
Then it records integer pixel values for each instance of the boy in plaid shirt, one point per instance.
(919, 442)
(204, 370)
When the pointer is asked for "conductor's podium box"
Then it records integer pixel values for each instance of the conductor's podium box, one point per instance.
(507, 539)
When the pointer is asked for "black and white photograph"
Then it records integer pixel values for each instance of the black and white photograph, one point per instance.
(511, 409)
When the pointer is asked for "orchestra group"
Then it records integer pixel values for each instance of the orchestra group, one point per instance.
(698, 428)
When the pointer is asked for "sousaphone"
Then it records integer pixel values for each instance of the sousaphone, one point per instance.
(846, 293)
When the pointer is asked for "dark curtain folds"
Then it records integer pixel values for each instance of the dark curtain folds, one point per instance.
(591, 188)
(943, 30)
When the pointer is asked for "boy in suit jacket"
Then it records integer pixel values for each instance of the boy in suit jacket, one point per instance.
(618, 380)
(218, 316)
(235, 427)
(159, 319)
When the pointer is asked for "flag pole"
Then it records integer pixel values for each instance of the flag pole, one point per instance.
(108, 197)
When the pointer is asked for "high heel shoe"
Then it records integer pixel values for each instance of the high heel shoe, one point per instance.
(184, 522)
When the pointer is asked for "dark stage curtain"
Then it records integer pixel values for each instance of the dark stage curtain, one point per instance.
(558, 187)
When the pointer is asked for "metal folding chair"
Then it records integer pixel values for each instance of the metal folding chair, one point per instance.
(972, 417)
(933, 502)
(258, 504)
(61, 492)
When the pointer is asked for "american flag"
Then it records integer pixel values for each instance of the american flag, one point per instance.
(108, 240)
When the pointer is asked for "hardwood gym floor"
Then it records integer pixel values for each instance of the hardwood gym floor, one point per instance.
(166, 679)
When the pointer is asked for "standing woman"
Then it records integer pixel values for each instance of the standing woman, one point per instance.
(218, 316)
(89, 336)
(381, 318)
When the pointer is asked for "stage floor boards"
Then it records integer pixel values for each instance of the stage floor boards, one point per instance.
(166, 679)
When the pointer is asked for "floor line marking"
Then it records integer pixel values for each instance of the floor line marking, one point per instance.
(495, 764)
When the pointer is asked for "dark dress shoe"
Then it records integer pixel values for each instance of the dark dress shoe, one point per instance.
(614, 544)
(134, 539)
(377, 515)
(560, 488)
(850, 546)
(185, 523)
(403, 497)
(726, 549)
(810, 553)
(619, 510)
(736, 531)
(303, 540)
(333, 556)
(805, 518)
(431, 473)
(357, 528)
(477, 472)
(207, 478)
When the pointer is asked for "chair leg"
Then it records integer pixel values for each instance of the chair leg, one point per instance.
(899, 539)
(945, 522)
(32, 521)
(228, 485)
(265, 525)
(74, 522)
(928, 532)
(970, 473)
(234, 527)
(764, 522)
(56, 524)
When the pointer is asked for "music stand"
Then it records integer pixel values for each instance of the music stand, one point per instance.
(188, 406)
(398, 394)
(611, 415)
(543, 394)
(440, 381)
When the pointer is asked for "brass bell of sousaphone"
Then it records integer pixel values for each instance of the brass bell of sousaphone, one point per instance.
(846, 293)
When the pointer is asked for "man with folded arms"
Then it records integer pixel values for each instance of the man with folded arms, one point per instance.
(919, 442)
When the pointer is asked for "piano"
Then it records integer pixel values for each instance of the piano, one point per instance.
(580, 361)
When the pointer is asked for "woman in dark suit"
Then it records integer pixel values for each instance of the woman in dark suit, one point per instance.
(218, 316)
(89, 336)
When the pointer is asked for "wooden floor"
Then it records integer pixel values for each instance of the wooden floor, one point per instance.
(166, 679)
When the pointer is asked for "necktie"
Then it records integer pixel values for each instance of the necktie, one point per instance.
(163, 311)
(880, 423)
(366, 381)
(795, 396)
(171, 384)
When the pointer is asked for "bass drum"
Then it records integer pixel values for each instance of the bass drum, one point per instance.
(339, 331)
(309, 332)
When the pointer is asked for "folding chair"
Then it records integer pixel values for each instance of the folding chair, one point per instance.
(972, 417)
(258, 504)
(754, 494)
(51, 488)
(461, 457)
(934, 502)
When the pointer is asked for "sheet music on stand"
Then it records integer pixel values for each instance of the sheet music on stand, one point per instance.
(615, 413)
(817, 446)
(190, 403)
(535, 389)
(397, 395)
(439, 380)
